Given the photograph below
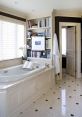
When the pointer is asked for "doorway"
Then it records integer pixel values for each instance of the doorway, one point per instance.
(68, 50)
(72, 59)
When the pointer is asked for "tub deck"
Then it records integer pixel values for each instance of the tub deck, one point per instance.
(17, 95)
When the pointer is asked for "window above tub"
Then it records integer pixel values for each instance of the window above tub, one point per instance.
(12, 38)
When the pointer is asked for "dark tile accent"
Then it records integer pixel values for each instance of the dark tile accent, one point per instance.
(72, 115)
(70, 96)
(34, 102)
(74, 90)
(46, 100)
(59, 87)
(21, 113)
(77, 84)
(53, 92)
(81, 95)
(36, 110)
(69, 86)
(50, 107)
(77, 103)
(58, 98)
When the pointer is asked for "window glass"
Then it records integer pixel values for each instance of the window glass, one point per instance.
(11, 39)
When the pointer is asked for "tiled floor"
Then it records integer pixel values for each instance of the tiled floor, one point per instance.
(63, 101)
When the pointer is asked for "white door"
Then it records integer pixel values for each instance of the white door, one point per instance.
(70, 57)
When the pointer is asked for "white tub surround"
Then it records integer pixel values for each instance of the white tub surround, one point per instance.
(10, 62)
(18, 94)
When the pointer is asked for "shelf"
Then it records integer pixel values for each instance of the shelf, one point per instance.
(28, 38)
(38, 36)
(38, 50)
(38, 28)
(48, 48)
(29, 48)
(47, 37)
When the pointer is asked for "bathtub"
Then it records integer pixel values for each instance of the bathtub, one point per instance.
(16, 73)
(19, 88)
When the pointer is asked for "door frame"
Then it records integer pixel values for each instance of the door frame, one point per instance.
(78, 46)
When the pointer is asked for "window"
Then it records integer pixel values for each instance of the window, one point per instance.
(63, 41)
(11, 39)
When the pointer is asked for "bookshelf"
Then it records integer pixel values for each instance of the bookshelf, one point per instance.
(40, 27)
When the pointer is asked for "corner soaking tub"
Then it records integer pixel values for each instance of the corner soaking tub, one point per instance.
(20, 87)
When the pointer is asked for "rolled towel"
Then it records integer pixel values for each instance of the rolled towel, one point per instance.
(28, 65)
(25, 64)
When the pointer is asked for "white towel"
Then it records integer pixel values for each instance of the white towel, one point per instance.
(55, 45)
(28, 65)
(56, 64)
(56, 58)
(25, 64)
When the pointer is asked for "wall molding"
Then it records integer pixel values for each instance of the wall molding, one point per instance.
(59, 19)
(12, 16)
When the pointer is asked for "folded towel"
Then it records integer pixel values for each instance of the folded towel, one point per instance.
(28, 65)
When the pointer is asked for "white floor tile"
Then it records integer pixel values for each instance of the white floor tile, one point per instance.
(63, 101)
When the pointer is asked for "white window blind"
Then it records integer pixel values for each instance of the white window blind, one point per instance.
(11, 39)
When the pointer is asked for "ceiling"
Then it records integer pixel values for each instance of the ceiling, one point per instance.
(40, 6)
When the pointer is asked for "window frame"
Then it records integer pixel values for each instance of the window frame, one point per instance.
(12, 20)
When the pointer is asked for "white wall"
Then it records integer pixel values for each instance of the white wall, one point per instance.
(13, 12)
(69, 13)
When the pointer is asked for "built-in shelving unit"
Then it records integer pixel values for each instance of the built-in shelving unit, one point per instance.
(40, 27)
